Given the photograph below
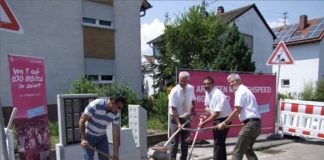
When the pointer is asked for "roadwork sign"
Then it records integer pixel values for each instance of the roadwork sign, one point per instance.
(280, 55)
(8, 21)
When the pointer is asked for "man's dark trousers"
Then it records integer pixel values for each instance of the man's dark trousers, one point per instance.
(220, 141)
(182, 136)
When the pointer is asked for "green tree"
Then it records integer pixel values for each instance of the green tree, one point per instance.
(193, 39)
(190, 42)
(234, 55)
(164, 69)
(197, 41)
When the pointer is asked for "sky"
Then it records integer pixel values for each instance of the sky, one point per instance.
(152, 24)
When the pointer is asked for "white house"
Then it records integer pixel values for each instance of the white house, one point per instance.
(258, 36)
(147, 74)
(304, 41)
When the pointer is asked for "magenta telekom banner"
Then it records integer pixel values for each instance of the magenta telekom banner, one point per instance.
(262, 85)
(28, 91)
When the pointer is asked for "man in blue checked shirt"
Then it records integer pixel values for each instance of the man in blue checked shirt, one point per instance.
(93, 123)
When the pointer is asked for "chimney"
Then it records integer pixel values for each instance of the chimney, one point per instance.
(220, 10)
(302, 22)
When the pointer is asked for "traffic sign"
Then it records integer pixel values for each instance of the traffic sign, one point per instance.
(8, 21)
(280, 55)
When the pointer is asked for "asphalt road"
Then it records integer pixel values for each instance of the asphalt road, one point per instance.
(298, 150)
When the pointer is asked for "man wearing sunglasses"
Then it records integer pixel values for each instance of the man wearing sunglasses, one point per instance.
(93, 123)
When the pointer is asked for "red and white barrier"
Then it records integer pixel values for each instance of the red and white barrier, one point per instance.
(302, 118)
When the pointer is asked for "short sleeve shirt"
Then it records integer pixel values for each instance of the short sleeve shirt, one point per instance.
(245, 99)
(100, 117)
(217, 101)
(176, 98)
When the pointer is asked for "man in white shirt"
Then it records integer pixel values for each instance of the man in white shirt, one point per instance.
(246, 107)
(181, 107)
(218, 105)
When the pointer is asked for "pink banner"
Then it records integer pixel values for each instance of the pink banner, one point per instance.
(28, 91)
(262, 85)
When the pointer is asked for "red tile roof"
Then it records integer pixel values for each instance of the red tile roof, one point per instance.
(294, 34)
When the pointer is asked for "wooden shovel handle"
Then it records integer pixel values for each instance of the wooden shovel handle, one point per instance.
(98, 151)
(226, 126)
(174, 134)
(194, 141)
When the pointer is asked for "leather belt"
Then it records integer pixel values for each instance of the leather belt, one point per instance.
(251, 120)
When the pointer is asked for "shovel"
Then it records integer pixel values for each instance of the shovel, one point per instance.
(98, 151)
(194, 141)
(160, 152)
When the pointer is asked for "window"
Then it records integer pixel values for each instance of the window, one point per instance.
(106, 77)
(92, 77)
(105, 23)
(285, 82)
(248, 41)
(97, 23)
(156, 51)
(100, 79)
(89, 20)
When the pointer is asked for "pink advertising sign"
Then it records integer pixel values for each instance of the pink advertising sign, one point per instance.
(28, 91)
(262, 85)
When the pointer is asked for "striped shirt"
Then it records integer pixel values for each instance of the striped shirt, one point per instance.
(100, 117)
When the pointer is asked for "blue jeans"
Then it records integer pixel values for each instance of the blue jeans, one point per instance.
(100, 143)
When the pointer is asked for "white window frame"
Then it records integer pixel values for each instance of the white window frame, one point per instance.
(100, 81)
(285, 85)
(97, 24)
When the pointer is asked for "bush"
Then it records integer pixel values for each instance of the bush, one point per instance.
(284, 96)
(319, 92)
(155, 123)
(118, 88)
(53, 127)
(157, 111)
(147, 104)
(122, 89)
(308, 91)
(85, 86)
(160, 106)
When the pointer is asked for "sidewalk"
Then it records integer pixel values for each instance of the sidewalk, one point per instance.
(205, 151)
